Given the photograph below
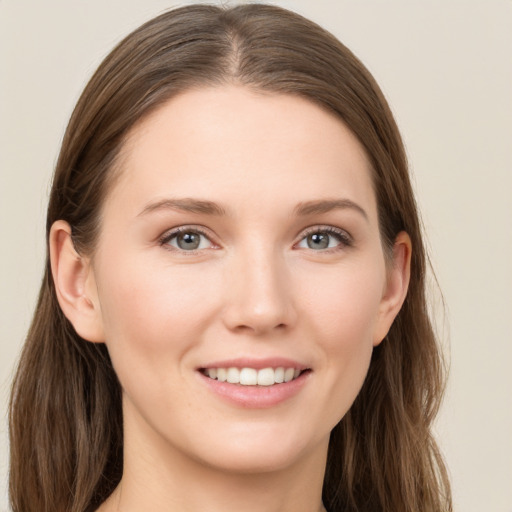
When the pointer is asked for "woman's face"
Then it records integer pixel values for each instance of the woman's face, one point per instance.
(242, 234)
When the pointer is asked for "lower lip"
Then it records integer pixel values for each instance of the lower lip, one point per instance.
(256, 397)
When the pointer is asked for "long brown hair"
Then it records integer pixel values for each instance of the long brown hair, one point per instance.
(65, 412)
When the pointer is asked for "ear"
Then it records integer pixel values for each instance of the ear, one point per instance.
(397, 284)
(74, 284)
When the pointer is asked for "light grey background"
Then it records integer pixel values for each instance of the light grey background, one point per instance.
(446, 68)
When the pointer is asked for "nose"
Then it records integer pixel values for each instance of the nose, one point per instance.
(259, 296)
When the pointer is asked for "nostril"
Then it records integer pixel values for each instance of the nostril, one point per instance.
(259, 328)
(244, 328)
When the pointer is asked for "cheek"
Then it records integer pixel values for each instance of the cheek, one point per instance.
(344, 303)
(343, 311)
(152, 311)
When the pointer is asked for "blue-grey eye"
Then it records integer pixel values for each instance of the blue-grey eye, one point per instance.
(189, 241)
(320, 240)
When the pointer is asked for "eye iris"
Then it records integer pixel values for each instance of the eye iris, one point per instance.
(188, 241)
(318, 241)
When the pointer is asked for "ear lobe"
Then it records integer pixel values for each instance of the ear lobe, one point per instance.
(75, 286)
(397, 285)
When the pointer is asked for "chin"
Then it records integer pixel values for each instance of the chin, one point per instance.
(252, 461)
(254, 450)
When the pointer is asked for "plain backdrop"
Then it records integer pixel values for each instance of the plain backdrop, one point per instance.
(446, 69)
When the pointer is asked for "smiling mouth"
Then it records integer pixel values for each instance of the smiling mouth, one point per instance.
(252, 376)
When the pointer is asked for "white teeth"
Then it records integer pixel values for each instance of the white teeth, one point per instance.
(266, 377)
(248, 377)
(253, 377)
(233, 375)
(288, 374)
(221, 374)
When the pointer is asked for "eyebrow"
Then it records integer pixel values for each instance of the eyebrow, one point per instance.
(202, 206)
(186, 205)
(328, 205)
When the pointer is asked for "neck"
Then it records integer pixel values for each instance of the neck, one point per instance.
(160, 478)
(271, 492)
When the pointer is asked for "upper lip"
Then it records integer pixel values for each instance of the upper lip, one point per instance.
(256, 363)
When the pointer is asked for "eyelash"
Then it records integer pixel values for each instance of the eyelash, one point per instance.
(344, 239)
(169, 235)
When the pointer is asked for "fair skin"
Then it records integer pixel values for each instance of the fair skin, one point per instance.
(278, 263)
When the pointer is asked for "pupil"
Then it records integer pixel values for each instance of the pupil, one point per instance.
(188, 241)
(318, 241)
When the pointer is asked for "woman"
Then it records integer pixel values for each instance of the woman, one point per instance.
(233, 313)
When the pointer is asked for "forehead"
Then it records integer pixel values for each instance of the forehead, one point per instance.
(240, 145)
